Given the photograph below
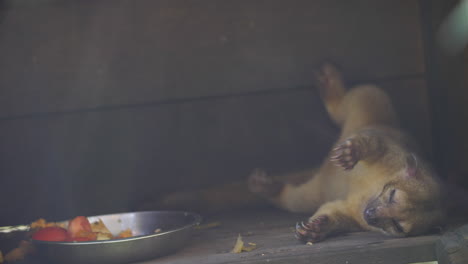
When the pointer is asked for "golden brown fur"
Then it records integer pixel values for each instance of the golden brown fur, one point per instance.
(372, 179)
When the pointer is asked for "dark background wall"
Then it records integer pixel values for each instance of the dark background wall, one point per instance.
(104, 103)
(446, 75)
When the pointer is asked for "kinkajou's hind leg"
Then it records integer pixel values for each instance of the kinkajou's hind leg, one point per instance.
(332, 89)
(304, 197)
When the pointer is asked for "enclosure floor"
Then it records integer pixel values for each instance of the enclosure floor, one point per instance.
(272, 232)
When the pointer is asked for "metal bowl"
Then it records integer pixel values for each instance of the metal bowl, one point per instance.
(175, 229)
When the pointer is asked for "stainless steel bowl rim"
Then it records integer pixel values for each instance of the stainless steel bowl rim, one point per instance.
(197, 221)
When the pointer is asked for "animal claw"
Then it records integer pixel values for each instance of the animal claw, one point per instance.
(344, 155)
(304, 226)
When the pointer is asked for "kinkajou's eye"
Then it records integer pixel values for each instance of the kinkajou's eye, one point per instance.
(398, 227)
(392, 195)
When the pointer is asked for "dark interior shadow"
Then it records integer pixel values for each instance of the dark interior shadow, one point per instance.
(3, 10)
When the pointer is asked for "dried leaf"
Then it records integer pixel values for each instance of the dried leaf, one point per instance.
(249, 248)
(239, 245)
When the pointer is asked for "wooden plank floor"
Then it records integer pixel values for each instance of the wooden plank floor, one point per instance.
(272, 231)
